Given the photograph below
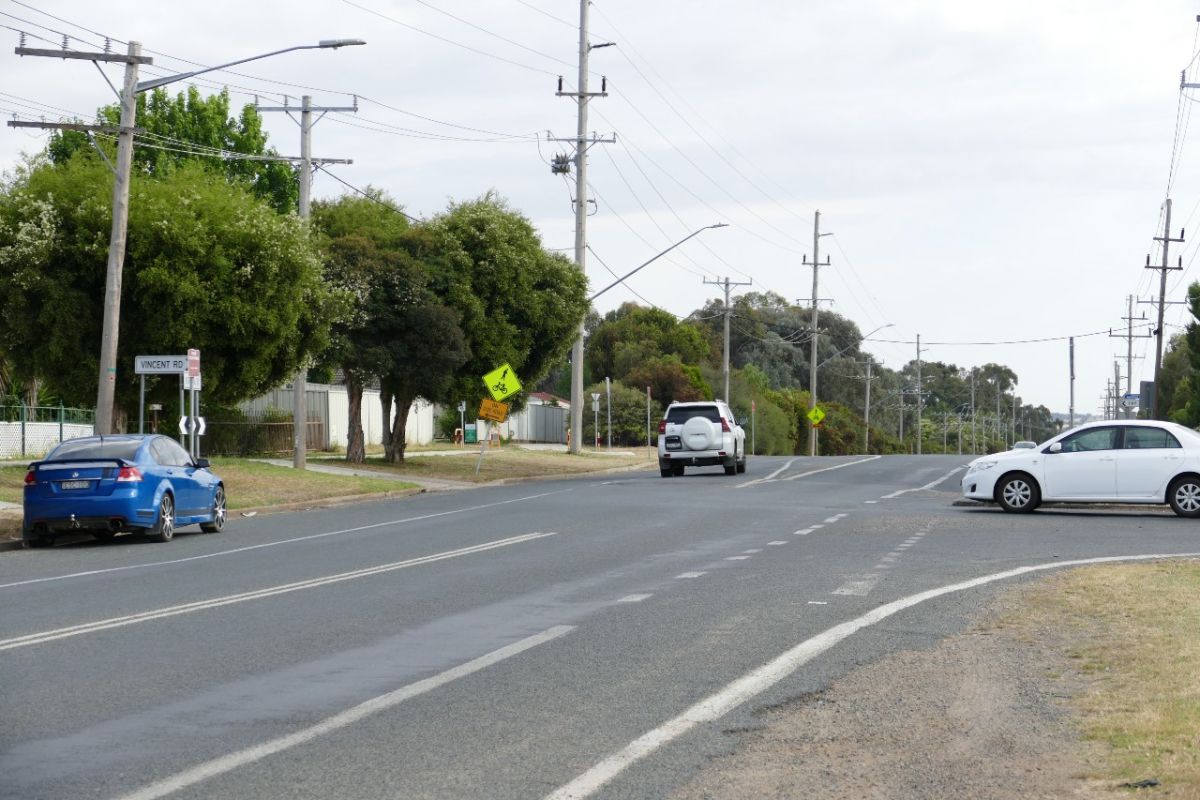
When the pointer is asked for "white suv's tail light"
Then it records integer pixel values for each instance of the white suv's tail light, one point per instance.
(662, 426)
(724, 425)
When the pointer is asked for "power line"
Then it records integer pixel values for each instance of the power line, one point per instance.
(451, 42)
(369, 196)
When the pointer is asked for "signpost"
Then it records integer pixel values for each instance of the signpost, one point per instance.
(187, 367)
(501, 384)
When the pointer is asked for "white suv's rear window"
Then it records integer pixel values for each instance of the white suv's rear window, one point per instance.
(681, 414)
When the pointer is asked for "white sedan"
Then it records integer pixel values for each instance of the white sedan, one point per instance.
(1117, 461)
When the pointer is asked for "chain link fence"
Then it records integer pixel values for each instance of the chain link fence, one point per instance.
(30, 431)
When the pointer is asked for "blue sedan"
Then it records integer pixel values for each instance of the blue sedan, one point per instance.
(105, 485)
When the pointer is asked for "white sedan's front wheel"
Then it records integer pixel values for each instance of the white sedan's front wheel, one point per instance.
(1018, 494)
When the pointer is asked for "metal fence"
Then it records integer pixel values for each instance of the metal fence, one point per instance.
(30, 431)
(254, 437)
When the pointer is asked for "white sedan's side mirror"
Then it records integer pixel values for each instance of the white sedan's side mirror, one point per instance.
(1055, 448)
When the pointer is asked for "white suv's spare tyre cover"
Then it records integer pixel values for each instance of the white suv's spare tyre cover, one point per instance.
(697, 434)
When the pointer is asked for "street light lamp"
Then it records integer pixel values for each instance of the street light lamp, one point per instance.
(116, 246)
(576, 434)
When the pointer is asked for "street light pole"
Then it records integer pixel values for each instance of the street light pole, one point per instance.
(577, 349)
(106, 388)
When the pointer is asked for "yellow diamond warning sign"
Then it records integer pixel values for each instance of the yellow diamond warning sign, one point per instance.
(502, 382)
(816, 416)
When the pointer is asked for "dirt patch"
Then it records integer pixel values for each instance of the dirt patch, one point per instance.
(981, 715)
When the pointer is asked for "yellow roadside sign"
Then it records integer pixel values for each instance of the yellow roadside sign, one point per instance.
(816, 416)
(493, 411)
(502, 382)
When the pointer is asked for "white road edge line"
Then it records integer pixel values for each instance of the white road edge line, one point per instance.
(227, 763)
(258, 594)
(758, 681)
(282, 541)
(929, 485)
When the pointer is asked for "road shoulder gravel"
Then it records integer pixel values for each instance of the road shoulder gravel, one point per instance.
(982, 714)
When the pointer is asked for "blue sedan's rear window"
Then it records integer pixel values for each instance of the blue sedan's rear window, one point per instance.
(96, 448)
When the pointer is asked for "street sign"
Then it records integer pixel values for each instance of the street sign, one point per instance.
(502, 382)
(193, 363)
(159, 365)
(192, 382)
(493, 411)
(816, 416)
(186, 424)
(1130, 401)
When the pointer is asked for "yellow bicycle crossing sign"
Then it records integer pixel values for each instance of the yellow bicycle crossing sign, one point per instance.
(502, 382)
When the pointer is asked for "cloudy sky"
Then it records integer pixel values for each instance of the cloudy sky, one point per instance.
(990, 173)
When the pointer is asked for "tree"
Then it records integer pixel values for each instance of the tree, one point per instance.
(670, 380)
(628, 415)
(208, 265)
(427, 347)
(364, 254)
(517, 302)
(633, 335)
(191, 128)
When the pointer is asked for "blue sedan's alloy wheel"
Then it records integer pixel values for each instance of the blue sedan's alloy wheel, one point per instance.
(165, 530)
(219, 513)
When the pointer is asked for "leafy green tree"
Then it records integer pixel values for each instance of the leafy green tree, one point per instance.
(632, 335)
(517, 302)
(628, 416)
(192, 128)
(670, 380)
(208, 265)
(365, 259)
(427, 346)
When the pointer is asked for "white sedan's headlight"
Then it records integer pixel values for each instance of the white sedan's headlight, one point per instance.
(980, 466)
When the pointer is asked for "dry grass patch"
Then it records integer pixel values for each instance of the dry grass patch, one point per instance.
(506, 462)
(1133, 634)
(250, 484)
(12, 484)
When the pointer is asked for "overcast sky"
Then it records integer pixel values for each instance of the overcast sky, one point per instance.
(990, 172)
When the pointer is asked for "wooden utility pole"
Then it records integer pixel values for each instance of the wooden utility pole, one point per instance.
(812, 366)
(1162, 301)
(728, 310)
(300, 381)
(581, 141)
(106, 385)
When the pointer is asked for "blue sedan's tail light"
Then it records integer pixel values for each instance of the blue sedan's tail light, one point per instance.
(30, 478)
(129, 475)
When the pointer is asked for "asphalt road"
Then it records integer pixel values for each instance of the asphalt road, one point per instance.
(593, 637)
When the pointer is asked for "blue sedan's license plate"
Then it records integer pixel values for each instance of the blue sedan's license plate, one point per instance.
(75, 484)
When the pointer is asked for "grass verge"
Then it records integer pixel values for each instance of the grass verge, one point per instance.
(1133, 639)
(506, 462)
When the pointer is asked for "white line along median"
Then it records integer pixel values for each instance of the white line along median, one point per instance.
(758, 681)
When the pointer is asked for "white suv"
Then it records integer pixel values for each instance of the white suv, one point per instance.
(700, 434)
